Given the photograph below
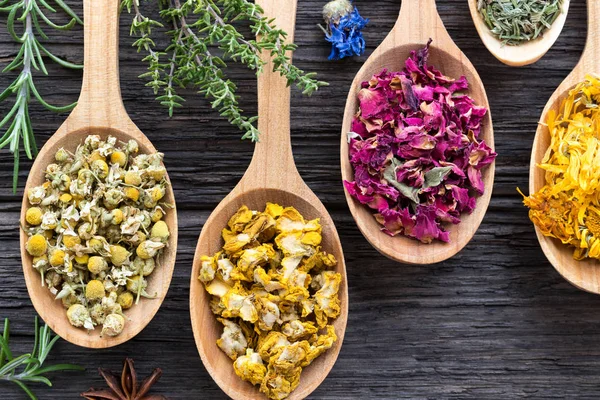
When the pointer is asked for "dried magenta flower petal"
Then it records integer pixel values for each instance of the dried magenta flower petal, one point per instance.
(415, 150)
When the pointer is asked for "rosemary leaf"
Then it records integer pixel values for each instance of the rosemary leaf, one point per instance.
(29, 14)
(30, 367)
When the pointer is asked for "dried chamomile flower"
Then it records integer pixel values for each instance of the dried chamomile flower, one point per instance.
(113, 325)
(96, 229)
(33, 216)
(36, 245)
(275, 292)
(79, 316)
(125, 300)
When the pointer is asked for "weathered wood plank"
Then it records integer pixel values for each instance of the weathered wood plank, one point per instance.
(495, 321)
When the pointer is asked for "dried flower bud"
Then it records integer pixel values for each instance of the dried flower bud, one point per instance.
(97, 264)
(94, 290)
(33, 216)
(113, 325)
(36, 245)
(61, 155)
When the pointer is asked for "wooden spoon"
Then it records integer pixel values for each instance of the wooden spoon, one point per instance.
(271, 177)
(525, 53)
(418, 21)
(583, 274)
(99, 111)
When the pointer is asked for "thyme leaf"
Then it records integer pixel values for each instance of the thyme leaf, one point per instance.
(202, 36)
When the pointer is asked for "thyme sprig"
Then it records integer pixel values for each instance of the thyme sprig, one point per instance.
(30, 14)
(202, 36)
(29, 368)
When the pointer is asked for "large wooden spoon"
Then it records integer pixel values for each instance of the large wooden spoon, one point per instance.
(271, 177)
(525, 53)
(583, 274)
(99, 111)
(418, 21)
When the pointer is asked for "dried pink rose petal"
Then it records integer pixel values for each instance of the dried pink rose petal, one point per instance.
(415, 150)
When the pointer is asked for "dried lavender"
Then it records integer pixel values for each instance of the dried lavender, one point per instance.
(518, 21)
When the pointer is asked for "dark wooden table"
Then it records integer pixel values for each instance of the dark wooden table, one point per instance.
(496, 321)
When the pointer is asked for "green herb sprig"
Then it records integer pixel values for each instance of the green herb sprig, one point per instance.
(201, 38)
(30, 14)
(29, 368)
(518, 21)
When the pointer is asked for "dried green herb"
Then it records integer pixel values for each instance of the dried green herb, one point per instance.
(30, 368)
(518, 21)
(202, 35)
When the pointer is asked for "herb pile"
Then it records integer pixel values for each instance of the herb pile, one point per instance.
(96, 229)
(415, 150)
(275, 292)
(518, 21)
(30, 368)
(202, 36)
(567, 207)
(28, 17)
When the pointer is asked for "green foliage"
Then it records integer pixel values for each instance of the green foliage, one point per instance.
(196, 28)
(30, 14)
(29, 368)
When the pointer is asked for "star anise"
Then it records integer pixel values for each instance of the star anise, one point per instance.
(128, 387)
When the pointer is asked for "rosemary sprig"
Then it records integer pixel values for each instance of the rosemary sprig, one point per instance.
(202, 37)
(29, 368)
(30, 14)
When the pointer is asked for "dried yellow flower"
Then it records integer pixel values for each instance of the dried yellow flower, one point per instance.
(97, 264)
(273, 326)
(118, 157)
(70, 241)
(33, 216)
(160, 231)
(94, 290)
(36, 245)
(567, 207)
(95, 211)
(125, 300)
(133, 178)
(132, 193)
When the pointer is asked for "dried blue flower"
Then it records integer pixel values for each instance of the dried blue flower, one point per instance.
(344, 29)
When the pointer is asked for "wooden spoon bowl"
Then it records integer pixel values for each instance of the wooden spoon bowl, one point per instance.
(525, 53)
(100, 111)
(584, 274)
(271, 177)
(418, 21)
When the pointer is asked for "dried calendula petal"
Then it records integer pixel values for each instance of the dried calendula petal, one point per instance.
(96, 229)
(275, 293)
(567, 207)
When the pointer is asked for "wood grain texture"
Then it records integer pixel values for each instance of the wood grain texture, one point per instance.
(525, 53)
(271, 177)
(583, 274)
(496, 321)
(417, 23)
(99, 111)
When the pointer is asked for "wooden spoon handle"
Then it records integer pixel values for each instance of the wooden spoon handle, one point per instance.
(100, 101)
(273, 158)
(589, 62)
(417, 22)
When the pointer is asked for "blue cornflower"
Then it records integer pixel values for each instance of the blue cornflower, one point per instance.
(344, 26)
